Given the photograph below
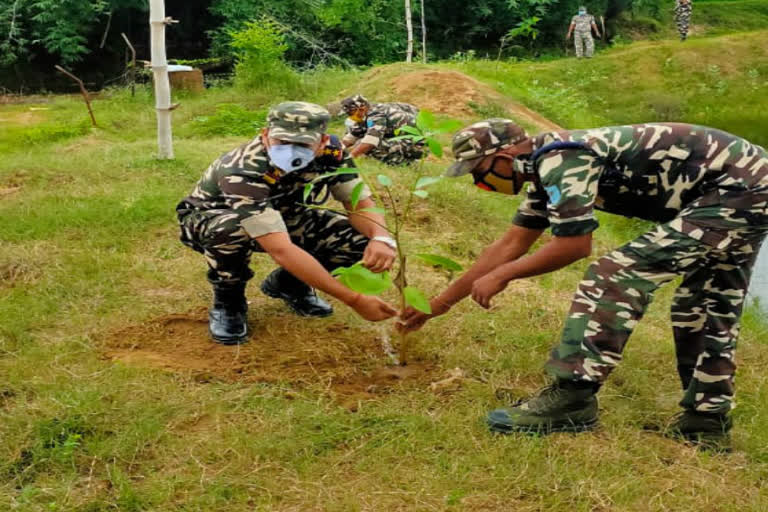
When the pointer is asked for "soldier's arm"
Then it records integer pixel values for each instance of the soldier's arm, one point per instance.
(306, 268)
(570, 30)
(377, 129)
(515, 242)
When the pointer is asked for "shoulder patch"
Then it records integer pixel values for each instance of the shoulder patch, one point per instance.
(554, 194)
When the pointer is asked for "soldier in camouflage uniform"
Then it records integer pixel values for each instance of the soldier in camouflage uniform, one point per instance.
(582, 25)
(371, 128)
(683, 10)
(251, 200)
(706, 190)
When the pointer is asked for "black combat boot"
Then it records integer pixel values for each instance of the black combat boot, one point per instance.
(709, 431)
(564, 406)
(300, 297)
(227, 319)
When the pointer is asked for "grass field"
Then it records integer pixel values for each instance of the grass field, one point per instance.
(112, 398)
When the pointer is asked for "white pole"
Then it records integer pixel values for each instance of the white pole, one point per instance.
(409, 27)
(423, 34)
(157, 23)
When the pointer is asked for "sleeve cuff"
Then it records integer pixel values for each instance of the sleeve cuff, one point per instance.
(575, 228)
(264, 223)
(530, 221)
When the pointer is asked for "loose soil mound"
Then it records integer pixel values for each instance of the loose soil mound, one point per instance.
(444, 92)
(345, 362)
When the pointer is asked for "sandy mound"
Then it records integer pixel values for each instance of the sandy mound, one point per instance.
(444, 92)
(344, 362)
(450, 93)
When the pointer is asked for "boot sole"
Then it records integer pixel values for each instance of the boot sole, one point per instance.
(277, 295)
(230, 341)
(504, 428)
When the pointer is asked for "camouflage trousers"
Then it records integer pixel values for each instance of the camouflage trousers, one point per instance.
(707, 307)
(227, 248)
(583, 40)
(683, 21)
(398, 152)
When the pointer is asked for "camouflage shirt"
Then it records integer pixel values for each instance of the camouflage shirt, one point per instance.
(651, 171)
(382, 121)
(245, 182)
(582, 22)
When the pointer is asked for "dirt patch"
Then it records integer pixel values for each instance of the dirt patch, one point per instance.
(345, 362)
(450, 93)
(27, 118)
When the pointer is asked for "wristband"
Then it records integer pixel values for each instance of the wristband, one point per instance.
(387, 240)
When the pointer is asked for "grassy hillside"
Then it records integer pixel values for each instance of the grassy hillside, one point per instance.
(112, 397)
(720, 82)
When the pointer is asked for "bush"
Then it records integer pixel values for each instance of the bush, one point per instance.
(231, 119)
(260, 49)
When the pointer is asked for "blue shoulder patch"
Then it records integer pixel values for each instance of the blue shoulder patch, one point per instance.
(554, 194)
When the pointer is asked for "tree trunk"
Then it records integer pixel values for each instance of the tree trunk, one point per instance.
(157, 22)
(423, 35)
(409, 27)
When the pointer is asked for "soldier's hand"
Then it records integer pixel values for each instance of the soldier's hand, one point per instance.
(378, 256)
(372, 308)
(413, 320)
(485, 288)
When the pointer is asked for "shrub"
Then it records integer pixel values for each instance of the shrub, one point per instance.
(260, 48)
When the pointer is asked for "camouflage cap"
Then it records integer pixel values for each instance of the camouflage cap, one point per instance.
(349, 105)
(475, 142)
(297, 121)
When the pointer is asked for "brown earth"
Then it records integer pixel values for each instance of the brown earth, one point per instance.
(445, 92)
(346, 363)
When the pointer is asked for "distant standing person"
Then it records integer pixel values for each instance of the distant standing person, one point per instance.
(582, 25)
(683, 10)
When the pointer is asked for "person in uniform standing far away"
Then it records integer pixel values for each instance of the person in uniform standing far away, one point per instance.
(371, 129)
(707, 192)
(251, 200)
(682, 11)
(581, 26)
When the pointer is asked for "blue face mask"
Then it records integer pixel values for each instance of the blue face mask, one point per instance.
(290, 157)
(582, 12)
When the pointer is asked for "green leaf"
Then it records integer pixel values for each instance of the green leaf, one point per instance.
(413, 297)
(449, 126)
(354, 197)
(382, 211)
(307, 190)
(384, 180)
(426, 181)
(425, 120)
(360, 279)
(440, 261)
(412, 130)
(421, 193)
(435, 147)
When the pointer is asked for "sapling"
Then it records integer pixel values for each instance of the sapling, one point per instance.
(359, 278)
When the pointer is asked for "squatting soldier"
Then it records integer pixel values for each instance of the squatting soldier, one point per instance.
(683, 10)
(707, 191)
(251, 200)
(371, 128)
(582, 25)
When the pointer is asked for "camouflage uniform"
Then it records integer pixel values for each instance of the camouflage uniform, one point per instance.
(582, 34)
(242, 197)
(708, 192)
(379, 127)
(683, 10)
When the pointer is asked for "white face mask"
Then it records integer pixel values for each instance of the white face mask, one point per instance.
(350, 123)
(290, 157)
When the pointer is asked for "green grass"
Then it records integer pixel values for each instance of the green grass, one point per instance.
(88, 245)
(718, 82)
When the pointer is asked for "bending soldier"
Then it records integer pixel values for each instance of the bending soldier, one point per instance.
(707, 190)
(371, 130)
(251, 200)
